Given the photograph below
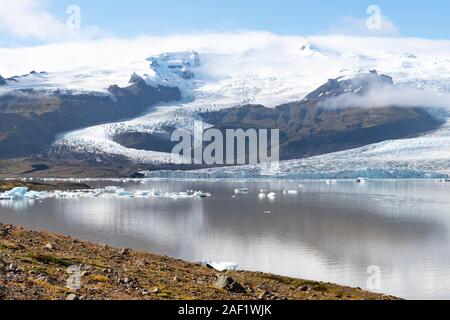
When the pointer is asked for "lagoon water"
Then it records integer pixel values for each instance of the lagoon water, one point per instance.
(327, 232)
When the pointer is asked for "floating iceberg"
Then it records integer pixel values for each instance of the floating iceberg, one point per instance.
(112, 189)
(241, 191)
(292, 192)
(124, 193)
(201, 194)
(272, 195)
(33, 195)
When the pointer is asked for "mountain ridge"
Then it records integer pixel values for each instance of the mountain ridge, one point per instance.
(267, 100)
(309, 128)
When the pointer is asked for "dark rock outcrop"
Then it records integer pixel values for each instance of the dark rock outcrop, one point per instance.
(135, 78)
(146, 141)
(225, 282)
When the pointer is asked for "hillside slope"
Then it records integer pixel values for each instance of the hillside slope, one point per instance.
(30, 120)
(33, 265)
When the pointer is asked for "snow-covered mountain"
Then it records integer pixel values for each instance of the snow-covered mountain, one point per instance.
(230, 70)
(176, 69)
(358, 85)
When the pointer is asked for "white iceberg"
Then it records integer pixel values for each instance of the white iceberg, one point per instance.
(112, 189)
(124, 193)
(292, 192)
(262, 195)
(272, 195)
(202, 194)
(34, 195)
(222, 266)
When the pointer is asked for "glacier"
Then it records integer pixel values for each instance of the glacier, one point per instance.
(226, 70)
(424, 157)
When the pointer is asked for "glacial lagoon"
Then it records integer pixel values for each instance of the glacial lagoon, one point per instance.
(333, 231)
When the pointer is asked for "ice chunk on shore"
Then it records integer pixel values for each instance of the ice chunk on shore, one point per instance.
(222, 266)
(262, 195)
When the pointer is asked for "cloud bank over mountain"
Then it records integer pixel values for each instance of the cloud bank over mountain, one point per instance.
(291, 66)
(389, 96)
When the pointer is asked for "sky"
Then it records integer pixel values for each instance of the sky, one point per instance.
(30, 22)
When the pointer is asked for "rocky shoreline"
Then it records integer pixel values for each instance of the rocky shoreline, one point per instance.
(45, 266)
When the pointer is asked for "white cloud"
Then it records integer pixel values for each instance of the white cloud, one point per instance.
(358, 27)
(30, 19)
(244, 59)
(389, 96)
